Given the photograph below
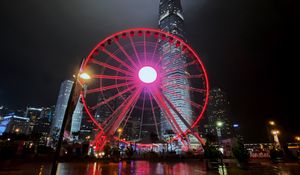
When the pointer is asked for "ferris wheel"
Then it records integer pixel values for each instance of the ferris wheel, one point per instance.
(144, 81)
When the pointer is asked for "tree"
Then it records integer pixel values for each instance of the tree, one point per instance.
(107, 150)
(115, 153)
(129, 152)
(211, 152)
(240, 153)
(276, 154)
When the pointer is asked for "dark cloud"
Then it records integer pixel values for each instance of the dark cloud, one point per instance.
(247, 47)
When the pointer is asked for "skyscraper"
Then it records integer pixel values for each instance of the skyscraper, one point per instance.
(218, 110)
(61, 105)
(171, 17)
(14, 124)
(33, 114)
(171, 20)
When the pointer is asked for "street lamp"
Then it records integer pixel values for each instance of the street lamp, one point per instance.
(271, 122)
(219, 125)
(120, 130)
(271, 126)
(85, 76)
(72, 102)
(297, 138)
(275, 134)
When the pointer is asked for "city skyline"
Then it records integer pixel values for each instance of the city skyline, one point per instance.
(242, 45)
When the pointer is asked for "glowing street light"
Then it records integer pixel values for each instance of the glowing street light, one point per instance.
(272, 123)
(120, 130)
(17, 130)
(219, 123)
(297, 138)
(275, 132)
(84, 76)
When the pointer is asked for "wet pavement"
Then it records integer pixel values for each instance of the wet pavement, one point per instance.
(149, 168)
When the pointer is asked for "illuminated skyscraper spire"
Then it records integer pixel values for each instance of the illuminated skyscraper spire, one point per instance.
(171, 20)
(171, 17)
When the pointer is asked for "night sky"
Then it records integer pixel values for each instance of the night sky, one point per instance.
(249, 48)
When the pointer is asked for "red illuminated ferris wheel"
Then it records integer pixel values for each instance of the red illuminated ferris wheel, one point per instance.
(144, 80)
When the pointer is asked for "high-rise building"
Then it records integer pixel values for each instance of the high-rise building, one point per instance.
(171, 17)
(61, 105)
(171, 20)
(86, 129)
(44, 121)
(14, 124)
(34, 114)
(218, 111)
(4, 111)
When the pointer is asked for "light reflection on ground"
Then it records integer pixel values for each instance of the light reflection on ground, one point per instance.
(149, 168)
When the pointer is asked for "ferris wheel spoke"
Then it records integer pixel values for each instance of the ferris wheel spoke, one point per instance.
(129, 114)
(114, 86)
(184, 76)
(99, 135)
(171, 92)
(173, 59)
(155, 48)
(111, 77)
(153, 114)
(89, 113)
(118, 59)
(116, 123)
(180, 67)
(199, 138)
(113, 97)
(142, 117)
(126, 54)
(185, 119)
(185, 87)
(145, 49)
(105, 65)
(163, 55)
(107, 122)
(135, 51)
(164, 107)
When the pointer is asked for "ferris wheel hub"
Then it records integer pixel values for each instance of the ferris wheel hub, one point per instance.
(147, 74)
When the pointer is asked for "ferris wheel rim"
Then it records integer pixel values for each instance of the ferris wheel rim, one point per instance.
(183, 43)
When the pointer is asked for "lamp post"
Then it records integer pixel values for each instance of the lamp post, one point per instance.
(271, 126)
(297, 138)
(219, 125)
(72, 102)
(275, 134)
(120, 130)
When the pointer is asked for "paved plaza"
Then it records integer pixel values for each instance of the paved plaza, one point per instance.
(150, 168)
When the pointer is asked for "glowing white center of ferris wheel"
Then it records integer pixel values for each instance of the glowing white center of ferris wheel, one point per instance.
(147, 74)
